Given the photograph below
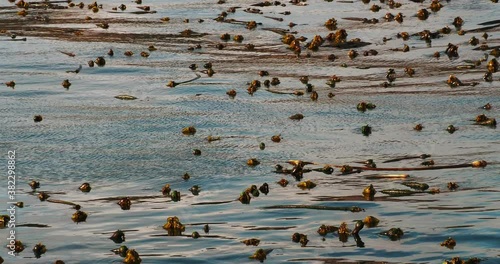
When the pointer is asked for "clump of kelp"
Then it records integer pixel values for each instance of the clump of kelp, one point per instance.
(458, 260)
(293, 46)
(174, 226)
(342, 231)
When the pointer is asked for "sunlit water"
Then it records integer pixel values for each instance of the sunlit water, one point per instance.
(133, 148)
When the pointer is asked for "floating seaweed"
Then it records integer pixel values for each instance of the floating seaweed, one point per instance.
(189, 130)
(175, 196)
(306, 184)
(34, 185)
(416, 185)
(393, 233)
(125, 203)
(121, 251)
(39, 249)
(253, 162)
(458, 260)
(449, 243)
(79, 216)
(118, 236)
(323, 230)
(401, 192)
(173, 84)
(369, 192)
(371, 221)
(125, 97)
(174, 226)
(353, 209)
(251, 242)
(260, 255)
(474, 164)
(452, 186)
(132, 257)
(300, 238)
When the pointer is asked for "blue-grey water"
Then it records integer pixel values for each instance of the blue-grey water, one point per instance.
(133, 148)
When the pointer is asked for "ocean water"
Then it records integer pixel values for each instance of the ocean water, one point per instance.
(133, 148)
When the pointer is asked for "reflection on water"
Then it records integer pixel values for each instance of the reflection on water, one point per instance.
(133, 148)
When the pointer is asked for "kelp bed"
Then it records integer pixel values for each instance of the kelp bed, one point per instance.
(202, 111)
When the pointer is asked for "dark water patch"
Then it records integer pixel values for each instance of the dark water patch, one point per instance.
(29, 94)
(243, 226)
(272, 228)
(154, 255)
(61, 202)
(375, 199)
(208, 223)
(492, 191)
(450, 208)
(289, 218)
(201, 236)
(157, 202)
(47, 192)
(496, 21)
(124, 230)
(459, 226)
(34, 225)
(484, 210)
(212, 203)
(342, 261)
(315, 207)
(386, 176)
(464, 189)
(132, 12)
(481, 29)
(133, 198)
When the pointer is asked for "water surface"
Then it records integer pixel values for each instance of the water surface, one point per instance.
(133, 148)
